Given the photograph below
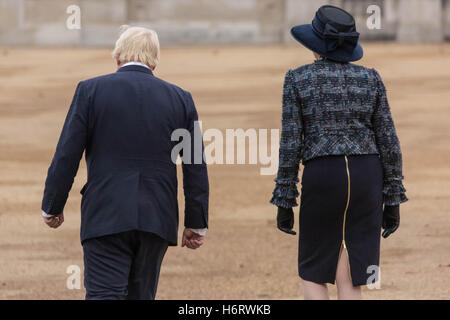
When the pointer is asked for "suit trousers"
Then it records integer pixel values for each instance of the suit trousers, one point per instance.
(123, 266)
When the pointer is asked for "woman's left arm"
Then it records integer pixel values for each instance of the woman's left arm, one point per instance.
(388, 147)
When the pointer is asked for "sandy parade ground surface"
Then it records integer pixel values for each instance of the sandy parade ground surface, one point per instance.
(244, 257)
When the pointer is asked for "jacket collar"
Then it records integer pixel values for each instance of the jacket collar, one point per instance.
(135, 68)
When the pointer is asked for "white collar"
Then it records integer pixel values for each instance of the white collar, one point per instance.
(134, 63)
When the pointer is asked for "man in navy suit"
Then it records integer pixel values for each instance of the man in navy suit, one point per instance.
(129, 213)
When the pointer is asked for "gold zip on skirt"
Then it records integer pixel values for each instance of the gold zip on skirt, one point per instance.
(348, 202)
(344, 244)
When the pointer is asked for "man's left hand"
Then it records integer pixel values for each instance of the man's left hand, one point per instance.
(191, 239)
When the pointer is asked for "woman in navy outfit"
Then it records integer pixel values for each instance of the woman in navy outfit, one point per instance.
(336, 120)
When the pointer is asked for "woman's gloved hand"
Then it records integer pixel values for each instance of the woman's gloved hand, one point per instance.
(285, 220)
(391, 220)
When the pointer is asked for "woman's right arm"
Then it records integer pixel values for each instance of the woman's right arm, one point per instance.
(286, 193)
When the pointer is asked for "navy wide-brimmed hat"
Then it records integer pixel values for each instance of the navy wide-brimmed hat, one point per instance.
(332, 34)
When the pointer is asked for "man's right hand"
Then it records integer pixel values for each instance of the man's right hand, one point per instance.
(54, 221)
(191, 239)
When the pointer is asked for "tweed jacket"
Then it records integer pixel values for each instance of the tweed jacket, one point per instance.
(332, 108)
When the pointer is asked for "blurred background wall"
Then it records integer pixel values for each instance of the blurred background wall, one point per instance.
(179, 22)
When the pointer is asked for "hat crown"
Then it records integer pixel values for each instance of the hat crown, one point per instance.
(336, 16)
(340, 19)
(336, 27)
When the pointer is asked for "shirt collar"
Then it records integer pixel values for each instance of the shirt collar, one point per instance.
(135, 66)
(134, 63)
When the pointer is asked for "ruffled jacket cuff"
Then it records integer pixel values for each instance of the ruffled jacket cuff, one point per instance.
(285, 195)
(394, 194)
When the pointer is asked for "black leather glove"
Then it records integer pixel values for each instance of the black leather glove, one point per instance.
(285, 220)
(391, 220)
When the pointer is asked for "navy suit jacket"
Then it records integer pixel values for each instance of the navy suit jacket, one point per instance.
(124, 122)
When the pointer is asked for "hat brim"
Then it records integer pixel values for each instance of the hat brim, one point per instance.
(306, 36)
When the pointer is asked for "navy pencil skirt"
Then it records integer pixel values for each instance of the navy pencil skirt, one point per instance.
(341, 209)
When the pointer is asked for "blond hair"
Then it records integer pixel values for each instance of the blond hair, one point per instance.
(137, 44)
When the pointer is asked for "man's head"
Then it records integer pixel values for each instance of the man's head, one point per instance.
(137, 44)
